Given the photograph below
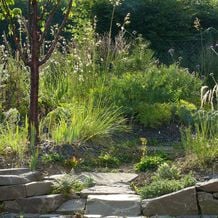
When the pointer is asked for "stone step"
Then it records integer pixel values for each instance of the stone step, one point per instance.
(6, 180)
(38, 188)
(106, 190)
(13, 192)
(14, 215)
(99, 216)
(14, 171)
(178, 203)
(108, 178)
(114, 205)
(72, 207)
(37, 204)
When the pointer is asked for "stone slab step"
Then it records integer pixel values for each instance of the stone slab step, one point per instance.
(13, 192)
(72, 207)
(99, 216)
(38, 204)
(12, 180)
(108, 178)
(14, 171)
(38, 188)
(6, 180)
(106, 190)
(114, 205)
(14, 215)
(178, 203)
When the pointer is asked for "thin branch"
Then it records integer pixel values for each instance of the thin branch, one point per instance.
(54, 43)
(48, 21)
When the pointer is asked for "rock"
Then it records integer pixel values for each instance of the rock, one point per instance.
(207, 203)
(72, 206)
(55, 177)
(14, 171)
(108, 178)
(55, 216)
(114, 205)
(32, 176)
(209, 186)
(178, 203)
(12, 192)
(38, 188)
(12, 180)
(215, 195)
(99, 216)
(105, 190)
(37, 204)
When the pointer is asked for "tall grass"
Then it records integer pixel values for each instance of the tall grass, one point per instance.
(80, 122)
(203, 144)
(13, 139)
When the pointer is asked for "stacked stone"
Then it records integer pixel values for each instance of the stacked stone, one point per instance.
(23, 191)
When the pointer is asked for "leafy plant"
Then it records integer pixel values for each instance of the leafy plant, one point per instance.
(185, 111)
(149, 163)
(154, 115)
(165, 186)
(68, 185)
(107, 160)
(165, 171)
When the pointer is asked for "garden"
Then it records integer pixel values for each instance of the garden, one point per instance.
(117, 94)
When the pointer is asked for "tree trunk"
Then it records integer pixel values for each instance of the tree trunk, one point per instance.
(34, 81)
(34, 96)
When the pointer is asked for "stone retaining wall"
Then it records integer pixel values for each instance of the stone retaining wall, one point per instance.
(24, 191)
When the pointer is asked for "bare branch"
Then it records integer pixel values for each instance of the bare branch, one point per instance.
(49, 20)
(56, 37)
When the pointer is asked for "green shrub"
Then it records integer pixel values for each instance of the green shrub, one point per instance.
(107, 160)
(154, 115)
(149, 163)
(185, 111)
(165, 171)
(156, 85)
(166, 186)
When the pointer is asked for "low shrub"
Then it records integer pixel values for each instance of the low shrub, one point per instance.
(165, 186)
(165, 171)
(154, 115)
(185, 112)
(149, 163)
(108, 160)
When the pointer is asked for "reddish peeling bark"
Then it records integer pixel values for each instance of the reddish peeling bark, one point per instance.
(34, 70)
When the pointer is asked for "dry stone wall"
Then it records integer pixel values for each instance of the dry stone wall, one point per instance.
(26, 192)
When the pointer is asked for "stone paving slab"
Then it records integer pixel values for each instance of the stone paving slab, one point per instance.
(6, 180)
(38, 188)
(37, 204)
(14, 171)
(182, 202)
(106, 190)
(12, 192)
(13, 215)
(108, 178)
(114, 205)
(209, 186)
(72, 207)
